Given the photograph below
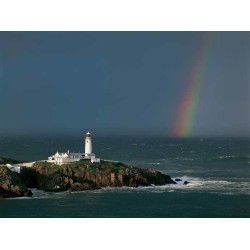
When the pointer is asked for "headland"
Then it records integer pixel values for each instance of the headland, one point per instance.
(73, 172)
(76, 176)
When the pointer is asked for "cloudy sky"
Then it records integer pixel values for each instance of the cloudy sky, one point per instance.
(121, 82)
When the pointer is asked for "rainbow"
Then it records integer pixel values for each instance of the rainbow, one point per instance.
(185, 115)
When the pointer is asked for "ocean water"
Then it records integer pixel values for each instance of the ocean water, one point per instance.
(218, 171)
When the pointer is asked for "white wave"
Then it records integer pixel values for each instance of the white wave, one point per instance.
(226, 156)
(145, 163)
(40, 194)
(195, 185)
(184, 158)
(18, 198)
(36, 193)
(218, 186)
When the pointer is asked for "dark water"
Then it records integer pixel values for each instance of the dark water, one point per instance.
(218, 171)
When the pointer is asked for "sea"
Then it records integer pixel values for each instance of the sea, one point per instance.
(217, 169)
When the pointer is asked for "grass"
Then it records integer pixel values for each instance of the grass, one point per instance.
(87, 166)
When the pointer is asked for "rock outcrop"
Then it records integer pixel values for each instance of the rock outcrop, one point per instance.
(84, 175)
(4, 160)
(77, 176)
(11, 184)
(178, 179)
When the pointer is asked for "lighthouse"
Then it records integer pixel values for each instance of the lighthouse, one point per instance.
(68, 157)
(88, 145)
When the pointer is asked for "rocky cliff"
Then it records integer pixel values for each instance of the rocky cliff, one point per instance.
(11, 184)
(77, 176)
(84, 175)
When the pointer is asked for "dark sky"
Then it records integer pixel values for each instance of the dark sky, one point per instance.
(121, 82)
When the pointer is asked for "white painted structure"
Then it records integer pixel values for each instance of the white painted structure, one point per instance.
(19, 166)
(14, 168)
(88, 144)
(67, 157)
(95, 160)
(61, 158)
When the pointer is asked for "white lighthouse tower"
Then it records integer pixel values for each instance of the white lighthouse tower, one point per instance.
(88, 145)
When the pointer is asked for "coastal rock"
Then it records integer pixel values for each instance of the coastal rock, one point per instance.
(11, 185)
(178, 179)
(82, 186)
(84, 175)
(186, 182)
(28, 176)
(5, 160)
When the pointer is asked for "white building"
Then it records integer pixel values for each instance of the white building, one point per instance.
(67, 157)
(14, 168)
(61, 158)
